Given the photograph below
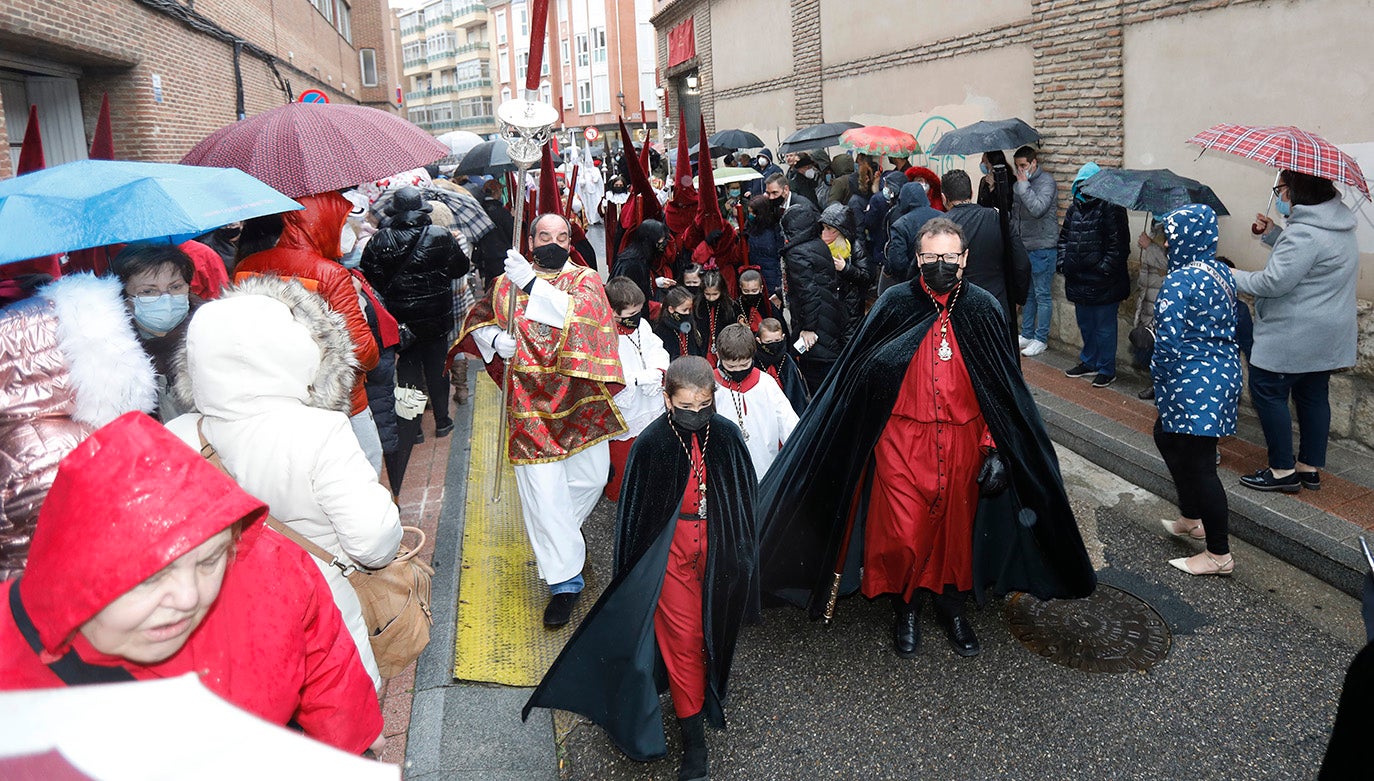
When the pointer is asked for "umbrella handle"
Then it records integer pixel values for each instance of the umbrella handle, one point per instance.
(503, 424)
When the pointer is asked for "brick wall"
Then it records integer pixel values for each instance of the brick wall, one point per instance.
(806, 61)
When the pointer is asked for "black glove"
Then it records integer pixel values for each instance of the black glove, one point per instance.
(992, 478)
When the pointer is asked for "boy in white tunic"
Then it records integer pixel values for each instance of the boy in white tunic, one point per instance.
(750, 398)
(644, 360)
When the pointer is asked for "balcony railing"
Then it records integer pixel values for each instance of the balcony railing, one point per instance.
(478, 46)
(415, 62)
(478, 121)
(472, 9)
(470, 84)
(438, 20)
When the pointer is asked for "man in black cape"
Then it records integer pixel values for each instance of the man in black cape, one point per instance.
(622, 656)
(816, 496)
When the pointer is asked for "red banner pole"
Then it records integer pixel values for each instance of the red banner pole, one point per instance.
(539, 25)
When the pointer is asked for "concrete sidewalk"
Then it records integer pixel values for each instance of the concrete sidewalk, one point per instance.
(1316, 531)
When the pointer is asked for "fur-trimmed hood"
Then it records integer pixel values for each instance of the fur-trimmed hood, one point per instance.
(265, 341)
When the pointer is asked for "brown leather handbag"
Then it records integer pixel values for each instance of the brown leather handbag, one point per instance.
(395, 598)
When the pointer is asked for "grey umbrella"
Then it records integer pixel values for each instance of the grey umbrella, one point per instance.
(1155, 191)
(815, 137)
(985, 136)
(491, 158)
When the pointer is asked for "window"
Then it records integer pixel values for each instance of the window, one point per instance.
(500, 28)
(503, 66)
(413, 53)
(505, 94)
(367, 64)
(567, 94)
(469, 108)
(563, 10)
(446, 78)
(344, 20)
(522, 20)
(584, 97)
(472, 69)
(440, 45)
(546, 93)
(442, 112)
(581, 50)
(598, 44)
(418, 115)
(601, 93)
(544, 65)
(522, 64)
(563, 52)
(325, 7)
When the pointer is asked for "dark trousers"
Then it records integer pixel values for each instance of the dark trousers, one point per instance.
(422, 366)
(814, 373)
(1098, 325)
(1269, 392)
(1192, 463)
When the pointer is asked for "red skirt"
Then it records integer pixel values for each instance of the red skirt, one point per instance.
(677, 620)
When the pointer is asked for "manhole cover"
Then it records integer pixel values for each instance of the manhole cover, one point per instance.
(1112, 631)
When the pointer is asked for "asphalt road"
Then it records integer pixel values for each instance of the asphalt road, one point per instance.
(1248, 688)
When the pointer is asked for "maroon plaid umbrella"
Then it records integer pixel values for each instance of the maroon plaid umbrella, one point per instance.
(308, 148)
(1285, 147)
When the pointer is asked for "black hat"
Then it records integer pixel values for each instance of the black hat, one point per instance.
(408, 199)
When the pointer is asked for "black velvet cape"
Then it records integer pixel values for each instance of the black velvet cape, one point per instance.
(791, 379)
(1024, 540)
(611, 671)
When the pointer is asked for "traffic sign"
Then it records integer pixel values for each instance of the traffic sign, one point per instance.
(592, 134)
(313, 96)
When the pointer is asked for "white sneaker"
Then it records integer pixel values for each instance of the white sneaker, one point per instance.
(1034, 348)
(1024, 342)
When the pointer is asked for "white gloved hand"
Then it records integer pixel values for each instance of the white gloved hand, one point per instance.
(504, 344)
(663, 282)
(518, 270)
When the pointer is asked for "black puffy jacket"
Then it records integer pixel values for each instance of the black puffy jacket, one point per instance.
(411, 264)
(638, 259)
(813, 296)
(906, 219)
(1094, 243)
(857, 275)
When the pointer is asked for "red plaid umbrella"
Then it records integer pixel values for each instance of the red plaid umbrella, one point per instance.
(305, 149)
(881, 141)
(1285, 147)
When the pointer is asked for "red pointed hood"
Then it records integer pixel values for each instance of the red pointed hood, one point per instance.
(708, 213)
(549, 202)
(128, 501)
(102, 146)
(683, 189)
(31, 154)
(649, 207)
(318, 226)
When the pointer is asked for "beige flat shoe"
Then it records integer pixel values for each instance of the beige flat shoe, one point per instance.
(1195, 532)
(1212, 565)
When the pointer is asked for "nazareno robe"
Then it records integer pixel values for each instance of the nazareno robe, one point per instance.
(783, 369)
(611, 671)
(1023, 540)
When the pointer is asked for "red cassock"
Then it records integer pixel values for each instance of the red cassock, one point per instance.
(677, 620)
(919, 531)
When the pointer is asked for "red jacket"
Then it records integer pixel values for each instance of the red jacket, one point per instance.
(308, 250)
(210, 275)
(130, 500)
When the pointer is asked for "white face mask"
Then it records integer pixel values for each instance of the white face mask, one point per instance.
(810, 173)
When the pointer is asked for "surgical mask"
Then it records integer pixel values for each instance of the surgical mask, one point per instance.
(692, 420)
(762, 161)
(983, 168)
(550, 257)
(1283, 206)
(161, 314)
(810, 173)
(734, 192)
(736, 375)
(940, 276)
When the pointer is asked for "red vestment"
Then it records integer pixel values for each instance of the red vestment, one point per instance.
(919, 531)
(678, 618)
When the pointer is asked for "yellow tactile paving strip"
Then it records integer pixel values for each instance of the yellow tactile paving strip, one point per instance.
(501, 636)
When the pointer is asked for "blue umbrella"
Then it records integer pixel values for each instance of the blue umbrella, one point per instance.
(95, 203)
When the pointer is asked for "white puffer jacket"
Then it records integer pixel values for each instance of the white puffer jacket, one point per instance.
(271, 369)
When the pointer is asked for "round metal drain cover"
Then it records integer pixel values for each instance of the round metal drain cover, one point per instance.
(1112, 631)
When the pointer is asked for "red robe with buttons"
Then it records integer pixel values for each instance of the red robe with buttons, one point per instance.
(677, 620)
(925, 495)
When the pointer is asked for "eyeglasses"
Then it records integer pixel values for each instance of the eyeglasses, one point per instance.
(931, 257)
(1279, 190)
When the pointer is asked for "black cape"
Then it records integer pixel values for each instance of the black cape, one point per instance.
(668, 334)
(789, 377)
(611, 671)
(1024, 540)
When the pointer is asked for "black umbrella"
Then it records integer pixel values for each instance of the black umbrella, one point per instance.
(815, 137)
(735, 139)
(491, 158)
(716, 151)
(1155, 191)
(985, 136)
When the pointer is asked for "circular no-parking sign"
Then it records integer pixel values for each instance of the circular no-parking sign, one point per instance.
(313, 96)
(591, 133)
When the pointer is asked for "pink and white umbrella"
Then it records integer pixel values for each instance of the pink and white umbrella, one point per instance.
(1285, 147)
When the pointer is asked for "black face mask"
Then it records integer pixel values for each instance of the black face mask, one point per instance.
(228, 233)
(630, 322)
(680, 322)
(550, 257)
(751, 300)
(736, 376)
(940, 276)
(692, 420)
(693, 289)
(770, 353)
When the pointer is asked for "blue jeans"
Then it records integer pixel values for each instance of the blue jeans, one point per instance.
(1269, 392)
(572, 585)
(1035, 315)
(1097, 324)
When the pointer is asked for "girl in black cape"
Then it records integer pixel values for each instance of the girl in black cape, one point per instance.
(686, 578)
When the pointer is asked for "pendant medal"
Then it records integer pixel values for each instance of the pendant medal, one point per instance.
(701, 503)
(944, 350)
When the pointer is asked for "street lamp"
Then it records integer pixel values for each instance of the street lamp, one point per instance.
(620, 97)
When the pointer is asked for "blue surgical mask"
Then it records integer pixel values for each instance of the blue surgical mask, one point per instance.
(161, 314)
(1282, 206)
(984, 168)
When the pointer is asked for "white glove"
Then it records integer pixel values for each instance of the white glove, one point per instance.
(504, 344)
(518, 270)
(663, 282)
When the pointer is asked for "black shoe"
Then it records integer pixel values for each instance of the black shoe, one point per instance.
(1081, 370)
(695, 765)
(1264, 480)
(906, 629)
(949, 611)
(1148, 394)
(444, 430)
(1103, 380)
(559, 610)
(419, 437)
(1310, 480)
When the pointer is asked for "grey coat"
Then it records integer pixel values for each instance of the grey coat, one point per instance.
(1305, 294)
(1034, 204)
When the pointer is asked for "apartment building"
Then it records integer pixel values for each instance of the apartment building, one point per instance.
(446, 60)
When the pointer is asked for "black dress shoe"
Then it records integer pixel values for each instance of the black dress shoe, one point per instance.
(1310, 480)
(444, 430)
(1264, 480)
(960, 634)
(1148, 394)
(906, 629)
(559, 610)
